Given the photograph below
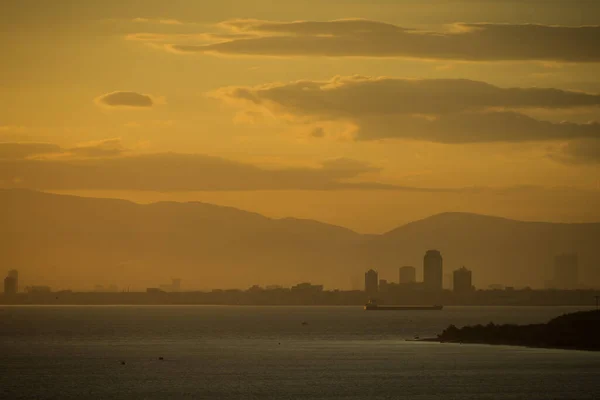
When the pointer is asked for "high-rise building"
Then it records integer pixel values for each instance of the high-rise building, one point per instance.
(10, 286)
(13, 273)
(433, 273)
(566, 271)
(371, 282)
(463, 280)
(11, 282)
(408, 274)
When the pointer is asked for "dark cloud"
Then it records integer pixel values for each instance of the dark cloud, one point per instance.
(364, 38)
(24, 150)
(472, 128)
(352, 95)
(181, 172)
(318, 132)
(102, 148)
(579, 152)
(438, 110)
(125, 99)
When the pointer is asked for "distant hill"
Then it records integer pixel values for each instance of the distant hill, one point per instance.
(68, 241)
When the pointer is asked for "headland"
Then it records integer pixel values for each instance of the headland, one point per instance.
(574, 331)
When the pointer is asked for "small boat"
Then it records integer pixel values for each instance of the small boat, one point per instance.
(373, 306)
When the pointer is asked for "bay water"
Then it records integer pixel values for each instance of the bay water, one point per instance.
(280, 352)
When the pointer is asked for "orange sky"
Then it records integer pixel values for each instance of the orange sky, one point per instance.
(360, 113)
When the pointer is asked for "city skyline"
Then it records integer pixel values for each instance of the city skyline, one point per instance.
(565, 278)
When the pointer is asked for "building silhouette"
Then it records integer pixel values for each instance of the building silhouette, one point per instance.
(433, 273)
(13, 273)
(463, 280)
(408, 274)
(566, 271)
(307, 287)
(11, 282)
(371, 282)
(10, 286)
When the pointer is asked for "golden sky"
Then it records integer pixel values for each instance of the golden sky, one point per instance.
(366, 114)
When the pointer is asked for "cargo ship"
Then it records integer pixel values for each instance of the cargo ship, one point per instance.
(373, 306)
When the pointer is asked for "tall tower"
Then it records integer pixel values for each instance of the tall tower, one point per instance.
(11, 282)
(463, 280)
(432, 270)
(371, 282)
(14, 274)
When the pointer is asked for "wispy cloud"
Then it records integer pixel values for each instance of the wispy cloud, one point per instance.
(100, 148)
(149, 37)
(367, 38)
(34, 150)
(13, 151)
(163, 21)
(105, 168)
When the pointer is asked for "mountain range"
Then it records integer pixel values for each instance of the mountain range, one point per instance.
(77, 242)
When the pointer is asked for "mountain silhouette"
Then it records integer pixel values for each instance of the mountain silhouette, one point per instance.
(75, 242)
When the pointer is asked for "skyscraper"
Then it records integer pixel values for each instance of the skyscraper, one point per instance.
(371, 282)
(432, 270)
(566, 271)
(11, 282)
(408, 274)
(463, 280)
(13, 273)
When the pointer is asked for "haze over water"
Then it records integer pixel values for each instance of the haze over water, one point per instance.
(222, 352)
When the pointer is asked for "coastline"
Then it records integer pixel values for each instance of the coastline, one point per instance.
(573, 331)
(529, 346)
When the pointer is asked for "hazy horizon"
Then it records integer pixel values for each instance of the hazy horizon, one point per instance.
(84, 241)
(362, 114)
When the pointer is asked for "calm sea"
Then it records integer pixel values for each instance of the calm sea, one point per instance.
(213, 352)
